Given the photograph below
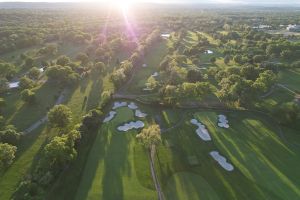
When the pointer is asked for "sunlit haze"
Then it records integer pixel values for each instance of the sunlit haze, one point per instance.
(126, 2)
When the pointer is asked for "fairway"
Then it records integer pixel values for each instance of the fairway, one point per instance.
(111, 168)
(251, 144)
(150, 100)
(152, 60)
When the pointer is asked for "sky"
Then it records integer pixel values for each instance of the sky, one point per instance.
(245, 2)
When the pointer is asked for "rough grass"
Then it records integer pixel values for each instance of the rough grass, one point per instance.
(111, 168)
(265, 165)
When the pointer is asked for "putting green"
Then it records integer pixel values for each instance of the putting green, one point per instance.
(185, 185)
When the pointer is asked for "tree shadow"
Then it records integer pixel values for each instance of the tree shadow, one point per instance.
(95, 156)
(116, 165)
(94, 95)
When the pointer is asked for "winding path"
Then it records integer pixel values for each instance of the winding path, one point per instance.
(44, 119)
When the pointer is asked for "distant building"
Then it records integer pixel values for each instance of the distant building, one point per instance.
(293, 28)
(262, 26)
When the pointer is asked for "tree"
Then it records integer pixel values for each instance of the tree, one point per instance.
(92, 120)
(150, 136)
(194, 76)
(2, 103)
(82, 57)
(3, 85)
(7, 70)
(26, 83)
(98, 68)
(28, 96)
(7, 155)
(258, 58)
(60, 151)
(152, 83)
(226, 59)
(63, 60)
(10, 135)
(29, 62)
(62, 75)
(265, 81)
(34, 73)
(213, 59)
(60, 116)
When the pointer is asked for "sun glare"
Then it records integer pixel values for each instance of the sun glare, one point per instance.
(121, 4)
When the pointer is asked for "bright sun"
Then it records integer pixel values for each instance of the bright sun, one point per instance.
(122, 4)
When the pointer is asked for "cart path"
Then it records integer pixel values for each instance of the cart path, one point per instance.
(44, 119)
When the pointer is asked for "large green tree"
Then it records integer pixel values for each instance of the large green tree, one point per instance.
(60, 116)
(7, 155)
(150, 136)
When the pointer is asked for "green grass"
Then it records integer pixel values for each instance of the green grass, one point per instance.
(22, 115)
(290, 78)
(153, 58)
(265, 166)
(185, 185)
(277, 98)
(29, 147)
(111, 167)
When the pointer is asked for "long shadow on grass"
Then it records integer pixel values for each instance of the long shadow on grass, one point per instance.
(116, 166)
(94, 95)
(96, 155)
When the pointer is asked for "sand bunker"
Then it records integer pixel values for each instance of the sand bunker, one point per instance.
(145, 65)
(209, 52)
(165, 35)
(155, 74)
(147, 89)
(119, 104)
(139, 113)
(223, 122)
(131, 125)
(202, 132)
(132, 106)
(14, 84)
(110, 116)
(221, 160)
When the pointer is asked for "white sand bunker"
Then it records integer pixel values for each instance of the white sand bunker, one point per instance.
(221, 160)
(119, 104)
(147, 89)
(132, 106)
(165, 35)
(145, 65)
(131, 125)
(202, 132)
(223, 122)
(209, 52)
(155, 74)
(140, 114)
(110, 116)
(13, 85)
